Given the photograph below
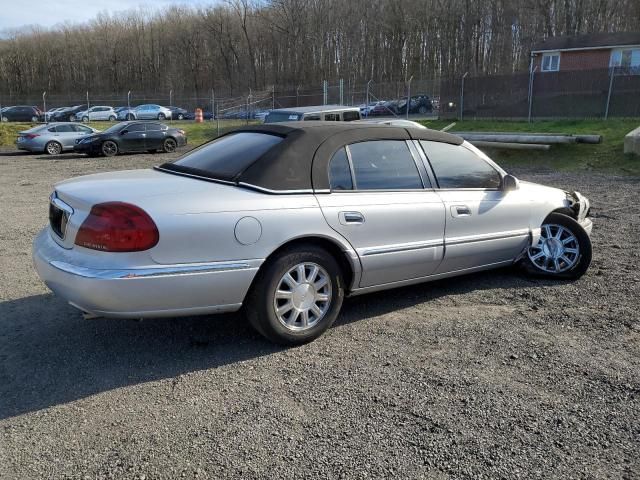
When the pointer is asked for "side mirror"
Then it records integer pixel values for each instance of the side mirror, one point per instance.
(124, 132)
(509, 183)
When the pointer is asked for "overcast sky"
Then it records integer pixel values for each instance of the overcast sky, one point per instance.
(15, 14)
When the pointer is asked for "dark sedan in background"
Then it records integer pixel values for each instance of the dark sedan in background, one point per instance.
(22, 113)
(68, 114)
(132, 137)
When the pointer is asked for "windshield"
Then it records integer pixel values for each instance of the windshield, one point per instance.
(114, 128)
(275, 117)
(225, 157)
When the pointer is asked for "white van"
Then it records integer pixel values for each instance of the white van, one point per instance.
(328, 113)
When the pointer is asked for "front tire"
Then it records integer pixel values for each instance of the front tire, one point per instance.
(161, 116)
(34, 119)
(169, 145)
(85, 119)
(112, 118)
(109, 148)
(180, 116)
(53, 148)
(563, 250)
(296, 296)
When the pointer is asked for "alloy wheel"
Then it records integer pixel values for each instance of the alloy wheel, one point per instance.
(303, 296)
(169, 145)
(109, 148)
(557, 249)
(54, 148)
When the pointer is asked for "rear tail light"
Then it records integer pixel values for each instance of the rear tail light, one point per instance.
(31, 136)
(117, 227)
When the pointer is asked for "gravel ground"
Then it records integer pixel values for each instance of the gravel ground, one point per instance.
(492, 375)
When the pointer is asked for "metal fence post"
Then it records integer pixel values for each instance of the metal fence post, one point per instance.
(128, 101)
(213, 103)
(88, 106)
(368, 100)
(217, 120)
(273, 97)
(171, 102)
(531, 76)
(462, 96)
(408, 96)
(325, 92)
(341, 91)
(297, 95)
(247, 112)
(612, 72)
(44, 105)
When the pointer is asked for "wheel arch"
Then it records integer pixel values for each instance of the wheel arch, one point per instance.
(349, 266)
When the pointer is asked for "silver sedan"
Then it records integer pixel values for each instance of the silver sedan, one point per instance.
(146, 112)
(286, 219)
(53, 138)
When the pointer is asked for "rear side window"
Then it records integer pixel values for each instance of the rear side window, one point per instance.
(64, 128)
(136, 127)
(339, 172)
(227, 156)
(384, 165)
(332, 117)
(312, 116)
(458, 167)
(350, 116)
(154, 127)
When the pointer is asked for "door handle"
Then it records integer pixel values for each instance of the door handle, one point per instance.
(351, 218)
(460, 211)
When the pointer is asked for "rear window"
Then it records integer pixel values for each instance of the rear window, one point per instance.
(226, 157)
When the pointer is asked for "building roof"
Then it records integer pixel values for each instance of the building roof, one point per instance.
(301, 161)
(587, 42)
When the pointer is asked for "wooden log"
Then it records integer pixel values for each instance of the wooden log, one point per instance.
(579, 138)
(516, 138)
(510, 145)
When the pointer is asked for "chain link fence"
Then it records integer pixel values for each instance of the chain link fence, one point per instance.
(575, 94)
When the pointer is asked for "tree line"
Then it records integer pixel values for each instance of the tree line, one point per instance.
(241, 44)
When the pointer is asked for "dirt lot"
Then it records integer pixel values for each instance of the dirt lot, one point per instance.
(493, 375)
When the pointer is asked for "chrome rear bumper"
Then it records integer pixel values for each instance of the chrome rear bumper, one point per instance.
(150, 291)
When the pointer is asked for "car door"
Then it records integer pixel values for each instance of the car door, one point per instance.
(66, 135)
(143, 112)
(485, 225)
(382, 202)
(155, 136)
(133, 137)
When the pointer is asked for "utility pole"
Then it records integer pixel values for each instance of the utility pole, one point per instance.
(44, 105)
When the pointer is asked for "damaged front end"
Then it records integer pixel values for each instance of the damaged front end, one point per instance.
(579, 208)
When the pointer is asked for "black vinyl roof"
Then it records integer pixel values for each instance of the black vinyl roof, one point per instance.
(300, 161)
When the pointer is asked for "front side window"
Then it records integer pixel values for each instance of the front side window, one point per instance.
(384, 165)
(551, 62)
(332, 117)
(64, 128)
(312, 116)
(339, 171)
(136, 127)
(457, 167)
(82, 129)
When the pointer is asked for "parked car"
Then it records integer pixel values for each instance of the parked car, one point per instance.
(53, 138)
(68, 114)
(49, 114)
(148, 112)
(22, 113)
(134, 136)
(386, 108)
(216, 230)
(321, 112)
(96, 113)
(178, 113)
(365, 109)
(419, 104)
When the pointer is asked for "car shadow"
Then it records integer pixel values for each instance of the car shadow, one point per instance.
(51, 355)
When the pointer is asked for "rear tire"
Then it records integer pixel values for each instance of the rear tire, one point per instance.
(34, 119)
(85, 119)
(53, 148)
(109, 148)
(5, 119)
(296, 296)
(161, 116)
(180, 116)
(112, 118)
(563, 251)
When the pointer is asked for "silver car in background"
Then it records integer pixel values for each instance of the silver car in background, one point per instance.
(53, 138)
(146, 112)
(97, 113)
(286, 219)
